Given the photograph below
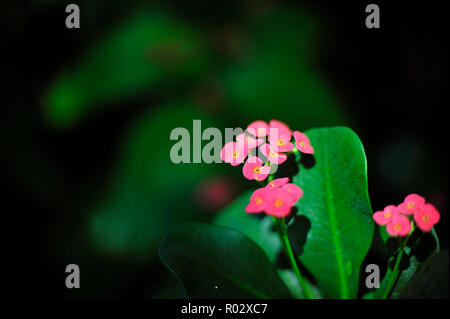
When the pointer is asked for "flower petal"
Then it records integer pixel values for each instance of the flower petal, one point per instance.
(258, 128)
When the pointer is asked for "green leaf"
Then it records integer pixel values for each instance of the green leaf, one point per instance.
(219, 262)
(420, 246)
(336, 202)
(430, 279)
(258, 229)
(261, 230)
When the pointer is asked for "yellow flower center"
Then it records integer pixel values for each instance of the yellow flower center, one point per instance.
(426, 218)
(280, 142)
(278, 203)
(410, 205)
(301, 144)
(387, 214)
(398, 227)
(235, 154)
(258, 200)
(257, 170)
(272, 155)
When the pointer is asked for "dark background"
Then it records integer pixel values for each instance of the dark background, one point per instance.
(391, 84)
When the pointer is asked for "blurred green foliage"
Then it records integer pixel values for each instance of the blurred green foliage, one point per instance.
(278, 76)
(139, 207)
(90, 110)
(163, 59)
(150, 48)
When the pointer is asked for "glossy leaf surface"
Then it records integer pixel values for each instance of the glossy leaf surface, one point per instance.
(219, 262)
(336, 202)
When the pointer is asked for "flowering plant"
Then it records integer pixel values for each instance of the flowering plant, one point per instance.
(317, 216)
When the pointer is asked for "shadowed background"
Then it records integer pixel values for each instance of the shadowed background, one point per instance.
(88, 112)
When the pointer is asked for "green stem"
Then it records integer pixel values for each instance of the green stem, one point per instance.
(395, 271)
(288, 250)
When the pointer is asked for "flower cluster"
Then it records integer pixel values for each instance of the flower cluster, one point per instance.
(274, 141)
(399, 218)
(275, 199)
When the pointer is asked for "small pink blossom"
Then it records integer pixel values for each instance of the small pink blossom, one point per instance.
(278, 182)
(302, 143)
(254, 169)
(278, 202)
(385, 216)
(248, 141)
(411, 204)
(275, 124)
(233, 153)
(426, 217)
(399, 226)
(281, 142)
(272, 155)
(258, 128)
(214, 193)
(295, 191)
(257, 201)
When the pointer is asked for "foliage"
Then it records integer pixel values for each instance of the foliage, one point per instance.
(330, 232)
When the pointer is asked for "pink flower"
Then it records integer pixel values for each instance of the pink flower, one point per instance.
(258, 128)
(233, 153)
(295, 191)
(254, 169)
(281, 141)
(274, 124)
(278, 182)
(214, 193)
(399, 226)
(274, 157)
(248, 141)
(426, 217)
(411, 204)
(302, 143)
(278, 202)
(257, 201)
(385, 216)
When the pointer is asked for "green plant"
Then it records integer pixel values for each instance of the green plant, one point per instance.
(325, 233)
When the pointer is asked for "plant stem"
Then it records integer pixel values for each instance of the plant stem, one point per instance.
(288, 250)
(395, 271)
